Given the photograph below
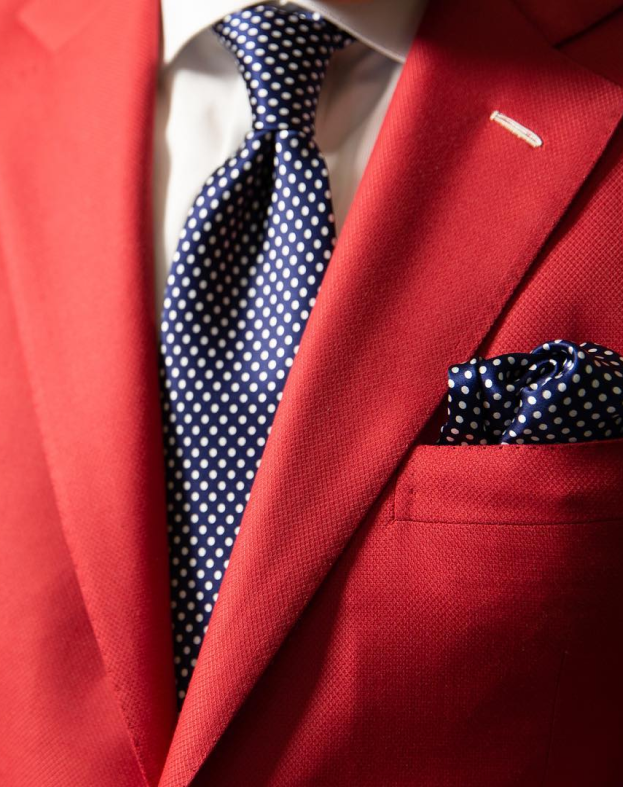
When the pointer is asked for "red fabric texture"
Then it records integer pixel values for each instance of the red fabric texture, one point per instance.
(583, 484)
(465, 651)
(560, 20)
(75, 218)
(393, 613)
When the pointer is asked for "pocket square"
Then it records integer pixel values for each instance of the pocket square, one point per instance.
(560, 393)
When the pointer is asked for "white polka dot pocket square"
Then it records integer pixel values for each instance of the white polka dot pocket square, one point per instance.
(561, 392)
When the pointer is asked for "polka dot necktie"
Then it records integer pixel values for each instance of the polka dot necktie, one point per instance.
(244, 278)
(560, 393)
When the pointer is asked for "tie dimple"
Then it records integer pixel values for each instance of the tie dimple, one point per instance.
(283, 58)
(244, 279)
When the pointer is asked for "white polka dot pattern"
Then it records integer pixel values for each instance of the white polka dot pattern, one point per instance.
(560, 393)
(244, 279)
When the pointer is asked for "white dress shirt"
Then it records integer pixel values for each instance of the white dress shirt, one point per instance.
(203, 110)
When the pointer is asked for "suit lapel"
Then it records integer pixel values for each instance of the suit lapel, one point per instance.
(452, 211)
(560, 20)
(75, 208)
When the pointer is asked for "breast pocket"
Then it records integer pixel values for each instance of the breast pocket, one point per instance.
(513, 484)
(512, 568)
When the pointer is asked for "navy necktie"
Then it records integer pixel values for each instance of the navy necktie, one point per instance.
(243, 281)
(561, 392)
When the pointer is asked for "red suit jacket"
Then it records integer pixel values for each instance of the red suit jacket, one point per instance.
(394, 613)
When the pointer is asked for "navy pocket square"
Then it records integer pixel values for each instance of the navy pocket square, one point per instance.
(560, 393)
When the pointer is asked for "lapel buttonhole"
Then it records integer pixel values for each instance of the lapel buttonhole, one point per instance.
(516, 128)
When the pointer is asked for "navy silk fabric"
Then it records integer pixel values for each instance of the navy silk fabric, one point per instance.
(244, 279)
(560, 393)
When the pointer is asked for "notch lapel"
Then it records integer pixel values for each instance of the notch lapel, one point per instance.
(76, 226)
(451, 212)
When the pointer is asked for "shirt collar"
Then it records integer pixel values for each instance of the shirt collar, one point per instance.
(385, 25)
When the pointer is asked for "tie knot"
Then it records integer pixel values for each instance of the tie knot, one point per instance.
(283, 56)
